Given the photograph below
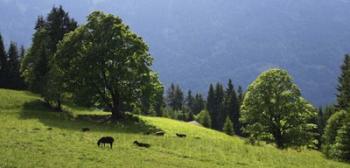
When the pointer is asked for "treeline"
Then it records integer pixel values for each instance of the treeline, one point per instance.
(10, 76)
(219, 110)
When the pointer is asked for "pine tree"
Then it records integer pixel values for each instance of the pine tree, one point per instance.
(36, 64)
(14, 77)
(189, 101)
(211, 104)
(179, 101)
(228, 126)
(320, 126)
(3, 64)
(220, 115)
(198, 104)
(171, 96)
(240, 95)
(158, 107)
(343, 96)
(232, 106)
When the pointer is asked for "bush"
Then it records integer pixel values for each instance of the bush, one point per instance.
(334, 123)
(228, 127)
(204, 118)
(342, 142)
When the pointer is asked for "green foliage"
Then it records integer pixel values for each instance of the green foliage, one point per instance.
(343, 95)
(334, 123)
(273, 110)
(228, 126)
(204, 118)
(37, 64)
(342, 142)
(113, 63)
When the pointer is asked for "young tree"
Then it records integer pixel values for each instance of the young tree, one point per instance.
(232, 107)
(3, 64)
(106, 57)
(240, 95)
(343, 95)
(179, 98)
(228, 126)
(159, 102)
(342, 145)
(320, 127)
(198, 104)
(189, 101)
(204, 118)
(211, 106)
(274, 110)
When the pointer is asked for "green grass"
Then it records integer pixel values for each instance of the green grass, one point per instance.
(25, 141)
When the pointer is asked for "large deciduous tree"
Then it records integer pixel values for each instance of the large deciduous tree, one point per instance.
(106, 58)
(273, 110)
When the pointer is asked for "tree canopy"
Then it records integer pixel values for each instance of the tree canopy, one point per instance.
(273, 110)
(106, 58)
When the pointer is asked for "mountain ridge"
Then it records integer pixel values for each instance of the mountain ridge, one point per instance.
(197, 42)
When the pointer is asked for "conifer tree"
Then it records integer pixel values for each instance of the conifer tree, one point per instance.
(211, 104)
(232, 106)
(36, 64)
(343, 95)
(13, 67)
(198, 104)
(228, 126)
(3, 64)
(189, 101)
(171, 96)
(220, 115)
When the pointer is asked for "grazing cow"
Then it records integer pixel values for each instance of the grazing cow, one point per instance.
(109, 140)
(159, 133)
(181, 135)
(49, 128)
(85, 129)
(140, 144)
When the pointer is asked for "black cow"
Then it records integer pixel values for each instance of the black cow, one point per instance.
(140, 144)
(181, 135)
(159, 133)
(105, 140)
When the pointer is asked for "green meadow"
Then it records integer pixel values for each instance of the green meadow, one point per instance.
(32, 135)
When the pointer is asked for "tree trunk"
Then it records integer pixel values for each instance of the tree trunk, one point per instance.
(278, 138)
(116, 112)
(58, 106)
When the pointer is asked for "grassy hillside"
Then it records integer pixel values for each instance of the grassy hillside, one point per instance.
(33, 136)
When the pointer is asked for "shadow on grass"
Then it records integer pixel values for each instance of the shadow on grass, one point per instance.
(39, 110)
